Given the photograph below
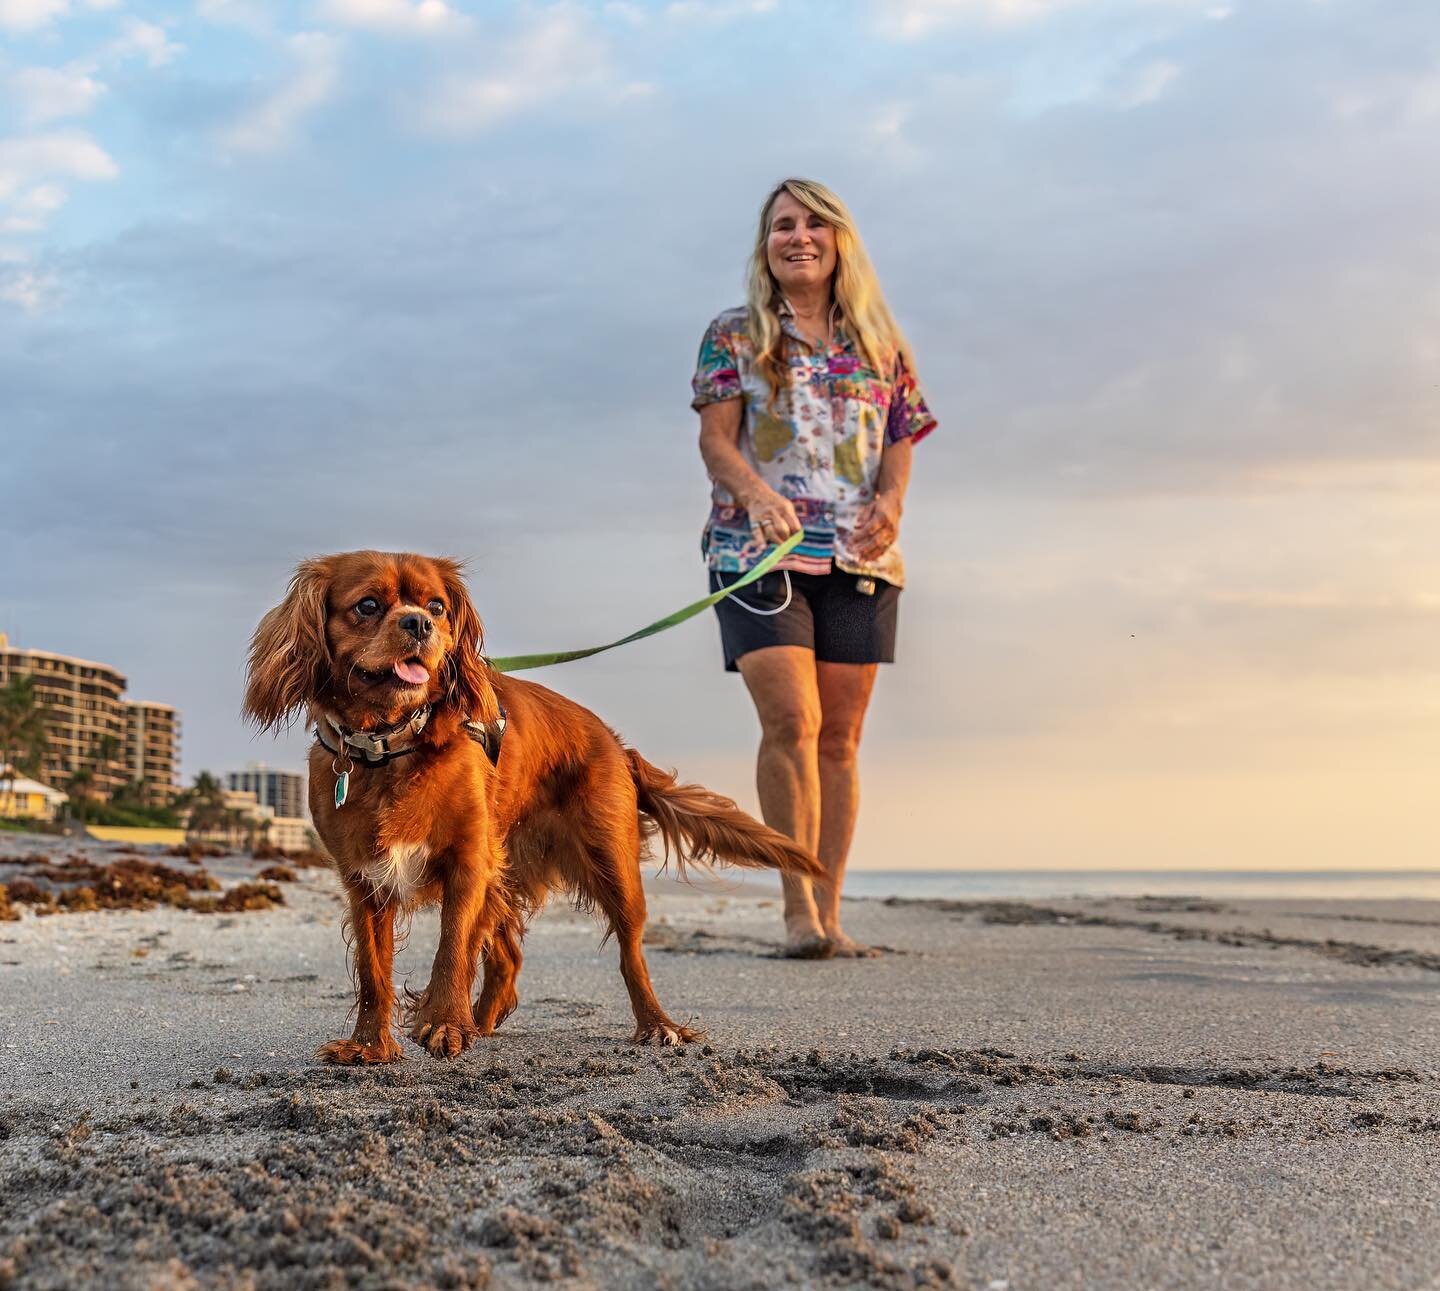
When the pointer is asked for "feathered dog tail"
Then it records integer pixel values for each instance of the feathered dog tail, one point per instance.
(697, 824)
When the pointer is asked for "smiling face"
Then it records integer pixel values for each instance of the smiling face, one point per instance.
(800, 246)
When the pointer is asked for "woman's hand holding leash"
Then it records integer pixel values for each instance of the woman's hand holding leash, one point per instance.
(772, 516)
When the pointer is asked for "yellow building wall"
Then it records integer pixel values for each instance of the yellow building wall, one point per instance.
(24, 806)
(136, 835)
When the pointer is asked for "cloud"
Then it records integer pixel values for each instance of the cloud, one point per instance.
(46, 94)
(555, 54)
(30, 210)
(401, 17)
(1159, 380)
(624, 11)
(1148, 83)
(30, 160)
(913, 19)
(716, 11)
(272, 124)
(886, 137)
(21, 284)
(31, 165)
(249, 15)
(30, 15)
(139, 39)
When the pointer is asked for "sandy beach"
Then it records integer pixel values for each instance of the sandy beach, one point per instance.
(1101, 1093)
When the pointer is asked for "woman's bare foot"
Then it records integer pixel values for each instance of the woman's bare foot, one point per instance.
(804, 940)
(844, 946)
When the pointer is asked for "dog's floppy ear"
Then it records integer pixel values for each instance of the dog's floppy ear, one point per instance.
(289, 655)
(468, 685)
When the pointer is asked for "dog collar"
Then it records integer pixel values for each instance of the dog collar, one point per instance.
(379, 746)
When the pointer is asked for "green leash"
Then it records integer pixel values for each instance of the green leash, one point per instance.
(519, 662)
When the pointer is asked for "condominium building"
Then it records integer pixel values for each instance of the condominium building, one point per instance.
(152, 747)
(90, 726)
(281, 791)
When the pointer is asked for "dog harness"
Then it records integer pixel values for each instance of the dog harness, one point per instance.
(378, 747)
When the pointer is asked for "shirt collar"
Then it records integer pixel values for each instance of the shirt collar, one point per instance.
(786, 313)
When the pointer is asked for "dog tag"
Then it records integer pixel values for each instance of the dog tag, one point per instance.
(342, 788)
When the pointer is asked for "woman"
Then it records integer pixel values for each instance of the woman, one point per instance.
(809, 410)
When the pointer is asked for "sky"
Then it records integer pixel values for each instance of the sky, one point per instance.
(282, 279)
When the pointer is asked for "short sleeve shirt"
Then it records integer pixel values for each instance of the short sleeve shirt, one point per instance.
(820, 446)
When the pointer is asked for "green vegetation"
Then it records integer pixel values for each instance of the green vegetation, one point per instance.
(22, 730)
(209, 814)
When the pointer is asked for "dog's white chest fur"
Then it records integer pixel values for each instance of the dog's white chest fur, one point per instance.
(396, 873)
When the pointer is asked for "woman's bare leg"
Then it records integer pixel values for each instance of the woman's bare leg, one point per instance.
(844, 696)
(782, 682)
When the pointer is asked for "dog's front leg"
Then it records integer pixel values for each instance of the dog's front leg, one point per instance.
(372, 925)
(470, 908)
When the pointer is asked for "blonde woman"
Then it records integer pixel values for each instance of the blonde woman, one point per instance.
(809, 409)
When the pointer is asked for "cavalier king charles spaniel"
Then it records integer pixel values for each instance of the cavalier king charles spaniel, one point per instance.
(434, 778)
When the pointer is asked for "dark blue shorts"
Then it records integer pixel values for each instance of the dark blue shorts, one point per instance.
(827, 614)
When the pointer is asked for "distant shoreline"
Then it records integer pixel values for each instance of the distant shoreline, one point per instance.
(1248, 885)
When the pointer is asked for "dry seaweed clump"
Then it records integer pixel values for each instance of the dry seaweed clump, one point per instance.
(198, 851)
(129, 884)
(277, 874)
(242, 897)
(305, 859)
(7, 911)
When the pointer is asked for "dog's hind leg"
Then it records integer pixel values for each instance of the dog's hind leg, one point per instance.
(617, 889)
(498, 999)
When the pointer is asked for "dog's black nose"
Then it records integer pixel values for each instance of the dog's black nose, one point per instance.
(417, 625)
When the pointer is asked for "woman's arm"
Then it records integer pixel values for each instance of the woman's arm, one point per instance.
(878, 524)
(720, 428)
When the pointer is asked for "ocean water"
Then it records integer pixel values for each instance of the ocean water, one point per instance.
(1232, 885)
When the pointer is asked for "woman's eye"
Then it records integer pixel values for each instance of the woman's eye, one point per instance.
(436, 608)
(368, 608)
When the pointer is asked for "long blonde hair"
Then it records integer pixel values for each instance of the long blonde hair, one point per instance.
(855, 287)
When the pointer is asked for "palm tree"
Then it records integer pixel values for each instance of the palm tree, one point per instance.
(104, 754)
(205, 801)
(22, 729)
(129, 794)
(82, 783)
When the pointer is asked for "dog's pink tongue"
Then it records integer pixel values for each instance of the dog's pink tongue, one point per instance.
(411, 672)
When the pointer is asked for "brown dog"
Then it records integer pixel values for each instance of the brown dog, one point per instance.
(435, 778)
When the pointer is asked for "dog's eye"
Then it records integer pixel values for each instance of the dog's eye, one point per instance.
(436, 608)
(368, 608)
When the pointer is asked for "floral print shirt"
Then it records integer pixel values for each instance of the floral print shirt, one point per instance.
(820, 447)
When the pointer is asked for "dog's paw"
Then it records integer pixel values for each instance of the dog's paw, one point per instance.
(445, 1039)
(350, 1053)
(664, 1032)
(489, 1014)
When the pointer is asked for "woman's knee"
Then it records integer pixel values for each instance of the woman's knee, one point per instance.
(839, 744)
(792, 726)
